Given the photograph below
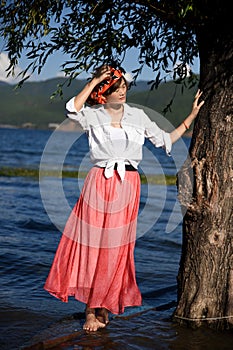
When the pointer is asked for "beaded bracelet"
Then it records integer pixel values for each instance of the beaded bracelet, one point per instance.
(186, 127)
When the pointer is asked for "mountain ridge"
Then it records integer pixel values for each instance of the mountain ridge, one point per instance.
(31, 105)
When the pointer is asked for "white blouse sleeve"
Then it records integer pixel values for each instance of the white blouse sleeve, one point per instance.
(157, 136)
(73, 114)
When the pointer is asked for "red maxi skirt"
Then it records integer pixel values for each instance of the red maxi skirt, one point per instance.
(94, 261)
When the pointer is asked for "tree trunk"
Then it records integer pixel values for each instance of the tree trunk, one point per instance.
(205, 184)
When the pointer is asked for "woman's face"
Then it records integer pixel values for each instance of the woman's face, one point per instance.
(119, 95)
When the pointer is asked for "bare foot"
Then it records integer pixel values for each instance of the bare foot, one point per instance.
(102, 315)
(92, 324)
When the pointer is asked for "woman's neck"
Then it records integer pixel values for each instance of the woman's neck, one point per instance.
(116, 111)
(115, 107)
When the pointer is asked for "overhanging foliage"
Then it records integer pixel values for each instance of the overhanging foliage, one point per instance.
(94, 32)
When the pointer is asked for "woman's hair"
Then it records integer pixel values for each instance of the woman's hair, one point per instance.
(115, 86)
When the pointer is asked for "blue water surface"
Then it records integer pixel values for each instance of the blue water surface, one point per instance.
(31, 230)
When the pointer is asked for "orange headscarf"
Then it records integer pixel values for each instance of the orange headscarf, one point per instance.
(97, 94)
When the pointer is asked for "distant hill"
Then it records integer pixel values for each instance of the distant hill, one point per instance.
(32, 104)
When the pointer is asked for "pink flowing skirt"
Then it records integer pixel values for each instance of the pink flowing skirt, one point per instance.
(94, 261)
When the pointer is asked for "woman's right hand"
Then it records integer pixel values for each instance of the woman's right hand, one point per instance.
(102, 73)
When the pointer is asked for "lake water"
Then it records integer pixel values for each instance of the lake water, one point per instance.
(33, 214)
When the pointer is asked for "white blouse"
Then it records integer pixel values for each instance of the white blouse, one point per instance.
(135, 126)
(119, 140)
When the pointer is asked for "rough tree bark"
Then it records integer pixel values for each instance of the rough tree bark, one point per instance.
(205, 184)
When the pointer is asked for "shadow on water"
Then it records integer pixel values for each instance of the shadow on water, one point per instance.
(147, 330)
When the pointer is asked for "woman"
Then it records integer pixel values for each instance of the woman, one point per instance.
(94, 261)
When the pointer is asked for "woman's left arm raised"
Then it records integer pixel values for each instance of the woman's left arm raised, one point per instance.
(184, 126)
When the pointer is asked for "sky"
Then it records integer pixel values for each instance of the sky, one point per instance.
(53, 67)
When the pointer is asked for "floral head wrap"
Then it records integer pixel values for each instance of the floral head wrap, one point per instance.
(97, 93)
